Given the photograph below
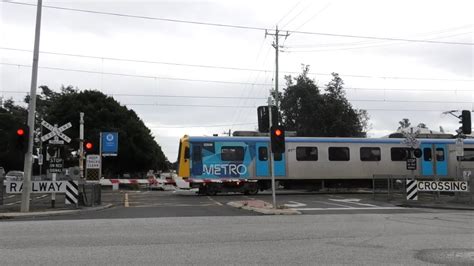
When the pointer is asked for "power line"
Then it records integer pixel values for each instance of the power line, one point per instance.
(244, 27)
(231, 68)
(142, 76)
(138, 60)
(198, 126)
(142, 17)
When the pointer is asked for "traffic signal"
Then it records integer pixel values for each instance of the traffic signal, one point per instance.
(88, 145)
(466, 122)
(264, 118)
(277, 136)
(22, 138)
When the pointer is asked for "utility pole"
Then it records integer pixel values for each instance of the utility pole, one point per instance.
(27, 167)
(277, 50)
(270, 104)
(81, 144)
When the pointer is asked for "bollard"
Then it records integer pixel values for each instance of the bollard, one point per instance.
(126, 201)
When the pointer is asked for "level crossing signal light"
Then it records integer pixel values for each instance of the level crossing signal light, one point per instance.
(88, 145)
(22, 138)
(466, 122)
(277, 136)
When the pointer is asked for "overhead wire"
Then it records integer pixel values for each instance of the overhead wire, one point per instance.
(244, 27)
(139, 76)
(229, 67)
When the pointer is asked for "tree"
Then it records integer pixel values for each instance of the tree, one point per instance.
(312, 113)
(11, 117)
(138, 150)
(404, 123)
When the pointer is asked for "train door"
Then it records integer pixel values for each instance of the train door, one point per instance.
(280, 164)
(196, 159)
(262, 161)
(434, 159)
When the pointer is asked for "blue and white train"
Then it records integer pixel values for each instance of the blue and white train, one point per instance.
(219, 164)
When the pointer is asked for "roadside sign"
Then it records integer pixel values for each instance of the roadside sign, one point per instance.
(451, 186)
(37, 186)
(55, 165)
(109, 143)
(411, 163)
(93, 161)
(56, 133)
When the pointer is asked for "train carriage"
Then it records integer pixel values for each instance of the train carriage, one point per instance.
(242, 163)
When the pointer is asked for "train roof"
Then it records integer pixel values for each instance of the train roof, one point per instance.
(323, 140)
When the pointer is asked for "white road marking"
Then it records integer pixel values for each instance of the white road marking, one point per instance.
(42, 196)
(335, 204)
(354, 201)
(294, 204)
(216, 202)
(9, 197)
(348, 209)
(9, 204)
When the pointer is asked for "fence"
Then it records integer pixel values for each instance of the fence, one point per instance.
(393, 187)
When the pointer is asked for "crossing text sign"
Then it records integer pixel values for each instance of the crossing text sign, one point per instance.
(453, 186)
(37, 186)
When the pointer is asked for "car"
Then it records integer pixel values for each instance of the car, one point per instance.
(14, 176)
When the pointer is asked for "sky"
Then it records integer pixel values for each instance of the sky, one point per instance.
(206, 68)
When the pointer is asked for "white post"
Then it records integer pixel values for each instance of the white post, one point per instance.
(27, 169)
(270, 105)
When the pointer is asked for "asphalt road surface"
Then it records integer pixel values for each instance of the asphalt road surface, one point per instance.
(369, 239)
(148, 204)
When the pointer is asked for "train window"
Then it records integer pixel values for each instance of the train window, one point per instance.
(468, 155)
(186, 153)
(427, 154)
(399, 154)
(370, 154)
(439, 154)
(197, 153)
(339, 154)
(262, 154)
(306, 153)
(229, 153)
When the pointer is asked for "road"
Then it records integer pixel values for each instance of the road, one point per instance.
(373, 239)
(148, 204)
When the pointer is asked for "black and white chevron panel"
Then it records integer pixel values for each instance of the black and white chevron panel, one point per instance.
(412, 190)
(72, 192)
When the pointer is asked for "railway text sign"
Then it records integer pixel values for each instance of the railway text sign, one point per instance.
(452, 186)
(37, 186)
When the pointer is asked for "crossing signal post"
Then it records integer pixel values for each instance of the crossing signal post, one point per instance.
(22, 138)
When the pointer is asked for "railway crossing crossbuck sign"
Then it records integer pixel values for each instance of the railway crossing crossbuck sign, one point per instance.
(56, 133)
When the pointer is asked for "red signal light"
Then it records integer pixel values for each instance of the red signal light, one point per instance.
(88, 145)
(20, 132)
(278, 132)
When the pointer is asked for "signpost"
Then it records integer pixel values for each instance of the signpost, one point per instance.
(411, 164)
(56, 133)
(56, 164)
(93, 161)
(109, 143)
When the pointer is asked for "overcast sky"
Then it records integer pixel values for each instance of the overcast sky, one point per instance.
(208, 85)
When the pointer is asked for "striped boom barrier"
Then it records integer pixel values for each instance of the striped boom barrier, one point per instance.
(412, 189)
(72, 192)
